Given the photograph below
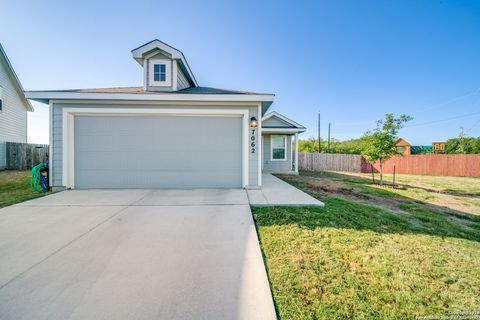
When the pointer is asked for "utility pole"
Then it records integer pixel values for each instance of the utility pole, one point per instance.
(328, 148)
(319, 132)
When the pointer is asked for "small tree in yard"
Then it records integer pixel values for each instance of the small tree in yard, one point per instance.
(381, 141)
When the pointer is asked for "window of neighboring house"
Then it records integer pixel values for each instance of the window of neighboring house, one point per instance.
(1, 98)
(401, 148)
(159, 72)
(279, 147)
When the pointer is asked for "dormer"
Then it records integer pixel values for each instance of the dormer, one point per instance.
(164, 67)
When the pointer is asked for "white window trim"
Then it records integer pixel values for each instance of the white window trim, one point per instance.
(285, 147)
(68, 170)
(168, 73)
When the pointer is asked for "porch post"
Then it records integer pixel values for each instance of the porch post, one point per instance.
(291, 151)
(296, 152)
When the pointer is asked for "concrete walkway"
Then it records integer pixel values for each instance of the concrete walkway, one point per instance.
(132, 254)
(276, 192)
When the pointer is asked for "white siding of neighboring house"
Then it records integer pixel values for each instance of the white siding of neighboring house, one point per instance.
(13, 116)
(182, 81)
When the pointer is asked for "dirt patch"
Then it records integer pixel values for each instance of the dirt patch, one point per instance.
(327, 186)
(332, 187)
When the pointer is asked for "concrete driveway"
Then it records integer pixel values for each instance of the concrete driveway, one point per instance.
(132, 254)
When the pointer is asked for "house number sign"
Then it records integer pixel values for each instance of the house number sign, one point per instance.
(253, 141)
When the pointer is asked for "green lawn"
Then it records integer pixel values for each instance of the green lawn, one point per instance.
(358, 258)
(15, 187)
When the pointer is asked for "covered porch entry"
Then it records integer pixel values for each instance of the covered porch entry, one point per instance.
(280, 144)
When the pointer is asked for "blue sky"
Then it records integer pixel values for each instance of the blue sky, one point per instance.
(353, 61)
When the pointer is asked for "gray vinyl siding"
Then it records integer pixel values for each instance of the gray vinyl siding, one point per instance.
(13, 116)
(182, 81)
(274, 122)
(57, 125)
(277, 165)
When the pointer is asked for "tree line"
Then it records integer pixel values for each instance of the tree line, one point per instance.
(461, 144)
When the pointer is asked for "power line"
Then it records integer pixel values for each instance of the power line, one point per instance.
(362, 124)
(474, 125)
(442, 120)
(472, 93)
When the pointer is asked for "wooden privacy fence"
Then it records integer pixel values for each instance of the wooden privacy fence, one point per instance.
(22, 156)
(330, 161)
(461, 165)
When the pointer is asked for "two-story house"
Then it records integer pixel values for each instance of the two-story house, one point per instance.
(169, 133)
(13, 107)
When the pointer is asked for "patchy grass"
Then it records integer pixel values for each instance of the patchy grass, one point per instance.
(359, 258)
(456, 194)
(15, 187)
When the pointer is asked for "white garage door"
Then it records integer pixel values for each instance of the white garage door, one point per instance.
(157, 152)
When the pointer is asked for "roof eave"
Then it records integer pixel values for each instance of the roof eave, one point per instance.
(46, 96)
(283, 130)
(283, 118)
(16, 81)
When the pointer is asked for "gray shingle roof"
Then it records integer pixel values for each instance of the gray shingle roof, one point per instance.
(208, 90)
(141, 90)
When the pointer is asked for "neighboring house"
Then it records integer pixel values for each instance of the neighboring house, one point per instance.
(169, 133)
(403, 146)
(13, 107)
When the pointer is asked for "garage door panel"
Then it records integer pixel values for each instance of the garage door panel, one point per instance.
(150, 180)
(158, 152)
(149, 161)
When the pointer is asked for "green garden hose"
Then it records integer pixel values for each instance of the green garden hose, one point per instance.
(39, 178)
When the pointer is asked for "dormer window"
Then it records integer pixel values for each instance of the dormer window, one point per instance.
(159, 72)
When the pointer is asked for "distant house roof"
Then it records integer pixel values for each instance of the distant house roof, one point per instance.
(402, 142)
(275, 122)
(14, 79)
